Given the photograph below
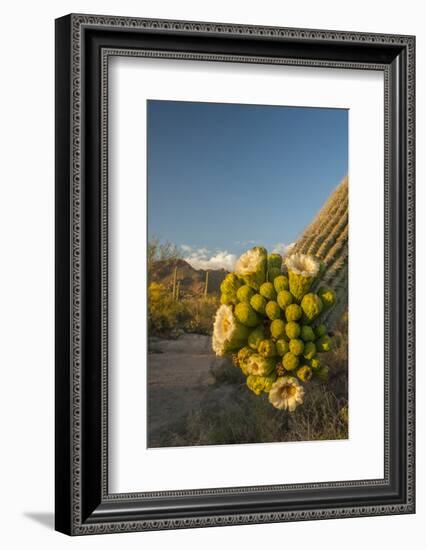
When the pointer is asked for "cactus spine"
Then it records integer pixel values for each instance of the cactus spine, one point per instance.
(326, 237)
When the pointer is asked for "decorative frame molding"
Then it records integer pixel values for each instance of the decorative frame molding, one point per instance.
(84, 43)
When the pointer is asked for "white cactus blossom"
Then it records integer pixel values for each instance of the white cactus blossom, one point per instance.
(223, 328)
(228, 334)
(249, 262)
(257, 365)
(286, 393)
(302, 270)
(302, 264)
(251, 267)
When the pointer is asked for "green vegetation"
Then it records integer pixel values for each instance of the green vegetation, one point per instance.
(180, 298)
(168, 316)
(290, 361)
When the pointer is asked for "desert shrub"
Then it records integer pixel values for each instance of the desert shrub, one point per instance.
(166, 316)
(200, 314)
(243, 417)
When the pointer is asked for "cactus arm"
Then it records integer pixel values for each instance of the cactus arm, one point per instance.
(326, 237)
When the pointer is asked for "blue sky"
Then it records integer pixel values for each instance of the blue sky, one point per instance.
(225, 177)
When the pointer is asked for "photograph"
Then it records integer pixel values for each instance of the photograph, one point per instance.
(234, 274)
(247, 273)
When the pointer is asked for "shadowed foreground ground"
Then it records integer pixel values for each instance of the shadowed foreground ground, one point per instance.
(179, 375)
(195, 398)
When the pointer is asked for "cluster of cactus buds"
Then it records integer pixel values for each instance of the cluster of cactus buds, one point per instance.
(271, 321)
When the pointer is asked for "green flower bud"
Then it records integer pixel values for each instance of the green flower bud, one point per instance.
(327, 296)
(324, 343)
(309, 350)
(255, 337)
(246, 315)
(275, 261)
(293, 312)
(277, 329)
(272, 310)
(316, 362)
(268, 291)
(273, 273)
(307, 334)
(267, 348)
(290, 361)
(320, 330)
(292, 329)
(258, 303)
(251, 267)
(259, 384)
(281, 283)
(238, 340)
(322, 373)
(296, 346)
(302, 271)
(254, 384)
(311, 305)
(244, 353)
(269, 380)
(230, 284)
(299, 285)
(304, 373)
(260, 366)
(245, 293)
(282, 346)
(228, 299)
(243, 356)
(284, 299)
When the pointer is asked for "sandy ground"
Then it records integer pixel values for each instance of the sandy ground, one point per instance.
(179, 374)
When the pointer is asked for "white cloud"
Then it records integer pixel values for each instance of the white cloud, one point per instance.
(283, 248)
(202, 258)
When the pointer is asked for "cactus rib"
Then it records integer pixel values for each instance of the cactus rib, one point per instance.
(326, 237)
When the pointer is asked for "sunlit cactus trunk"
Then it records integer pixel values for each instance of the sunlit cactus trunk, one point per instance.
(327, 238)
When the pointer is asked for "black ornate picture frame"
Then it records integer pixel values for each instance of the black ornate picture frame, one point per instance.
(84, 43)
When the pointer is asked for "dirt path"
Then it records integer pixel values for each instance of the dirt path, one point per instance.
(179, 374)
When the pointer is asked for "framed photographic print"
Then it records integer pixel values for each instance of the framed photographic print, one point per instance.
(234, 274)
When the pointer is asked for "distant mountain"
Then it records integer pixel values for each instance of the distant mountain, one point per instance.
(192, 281)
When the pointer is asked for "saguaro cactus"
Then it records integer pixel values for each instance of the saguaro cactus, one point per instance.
(174, 281)
(326, 238)
(206, 285)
